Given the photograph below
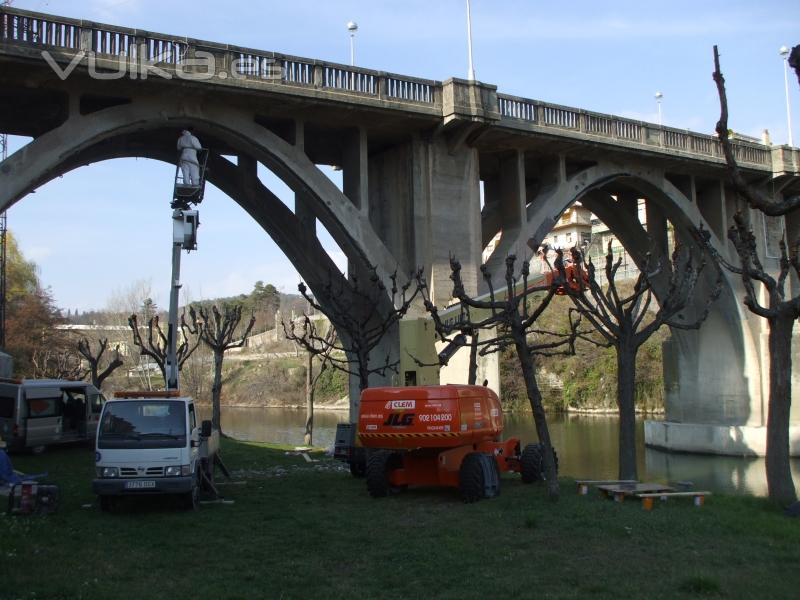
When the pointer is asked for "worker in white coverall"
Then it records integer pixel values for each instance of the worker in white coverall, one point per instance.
(188, 145)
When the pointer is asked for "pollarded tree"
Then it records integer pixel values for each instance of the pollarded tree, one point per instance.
(512, 311)
(312, 378)
(156, 345)
(355, 312)
(218, 331)
(94, 359)
(781, 313)
(626, 322)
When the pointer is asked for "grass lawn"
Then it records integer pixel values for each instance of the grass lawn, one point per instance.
(299, 530)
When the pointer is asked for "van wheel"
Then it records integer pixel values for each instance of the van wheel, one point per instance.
(107, 503)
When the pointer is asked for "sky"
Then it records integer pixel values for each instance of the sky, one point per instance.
(96, 230)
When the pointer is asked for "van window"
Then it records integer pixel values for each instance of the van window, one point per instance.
(6, 407)
(40, 408)
(192, 418)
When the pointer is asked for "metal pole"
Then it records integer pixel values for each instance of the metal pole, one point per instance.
(471, 72)
(352, 27)
(659, 95)
(785, 53)
(3, 233)
(171, 366)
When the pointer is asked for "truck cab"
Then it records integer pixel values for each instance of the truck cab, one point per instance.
(150, 443)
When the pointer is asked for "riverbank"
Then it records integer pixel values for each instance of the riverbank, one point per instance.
(309, 530)
(343, 404)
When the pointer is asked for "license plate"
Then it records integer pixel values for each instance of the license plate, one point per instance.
(139, 485)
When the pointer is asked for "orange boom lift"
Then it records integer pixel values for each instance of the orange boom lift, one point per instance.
(440, 435)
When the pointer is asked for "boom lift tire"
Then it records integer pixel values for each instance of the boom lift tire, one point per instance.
(379, 465)
(478, 477)
(358, 468)
(532, 462)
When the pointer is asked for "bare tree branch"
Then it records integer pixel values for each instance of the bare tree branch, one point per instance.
(156, 346)
(362, 317)
(98, 377)
(754, 197)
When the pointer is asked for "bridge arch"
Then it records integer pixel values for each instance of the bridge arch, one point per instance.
(696, 373)
(132, 130)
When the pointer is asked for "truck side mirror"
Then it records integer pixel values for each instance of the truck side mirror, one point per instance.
(205, 429)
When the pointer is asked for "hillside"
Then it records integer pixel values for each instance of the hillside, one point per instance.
(588, 380)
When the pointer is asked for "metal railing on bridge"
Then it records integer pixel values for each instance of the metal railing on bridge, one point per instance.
(118, 44)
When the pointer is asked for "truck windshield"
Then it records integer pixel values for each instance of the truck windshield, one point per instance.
(143, 424)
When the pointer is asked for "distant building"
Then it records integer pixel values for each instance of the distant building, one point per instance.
(574, 228)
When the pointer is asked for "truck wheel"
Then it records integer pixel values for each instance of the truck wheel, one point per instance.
(471, 478)
(379, 465)
(531, 463)
(107, 503)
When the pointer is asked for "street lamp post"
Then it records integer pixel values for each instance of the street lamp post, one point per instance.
(352, 27)
(659, 96)
(471, 72)
(784, 52)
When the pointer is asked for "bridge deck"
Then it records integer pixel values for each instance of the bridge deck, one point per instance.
(26, 35)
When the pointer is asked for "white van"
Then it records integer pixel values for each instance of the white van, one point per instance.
(150, 443)
(35, 413)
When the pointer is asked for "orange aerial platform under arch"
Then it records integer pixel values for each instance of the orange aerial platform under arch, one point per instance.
(443, 435)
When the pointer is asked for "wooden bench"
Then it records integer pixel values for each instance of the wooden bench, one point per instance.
(583, 484)
(619, 491)
(647, 499)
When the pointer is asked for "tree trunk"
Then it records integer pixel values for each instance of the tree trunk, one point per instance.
(363, 372)
(308, 438)
(473, 359)
(216, 391)
(539, 417)
(779, 474)
(626, 395)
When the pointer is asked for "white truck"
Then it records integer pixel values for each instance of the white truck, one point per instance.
(150, 443)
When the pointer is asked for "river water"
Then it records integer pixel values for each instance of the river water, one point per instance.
(586, 445)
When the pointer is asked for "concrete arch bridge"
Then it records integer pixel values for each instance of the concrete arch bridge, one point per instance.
(429, 169)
